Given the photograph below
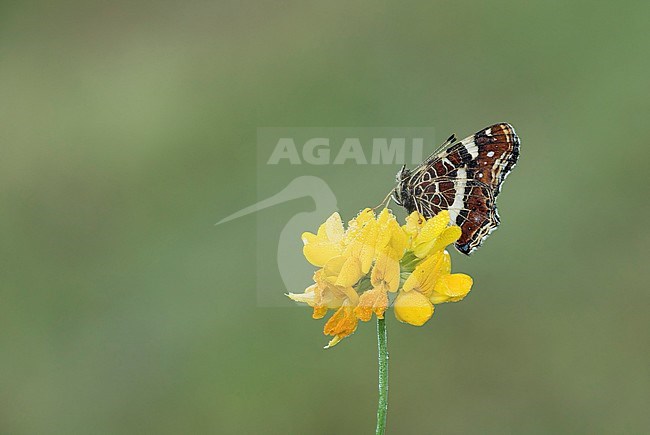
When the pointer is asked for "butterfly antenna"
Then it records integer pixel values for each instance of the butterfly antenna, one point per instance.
(450, 141)
(385, 201)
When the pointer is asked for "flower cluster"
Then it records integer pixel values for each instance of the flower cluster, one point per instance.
(376, 261)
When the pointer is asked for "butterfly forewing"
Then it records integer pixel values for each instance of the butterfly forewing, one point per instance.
(465, 179)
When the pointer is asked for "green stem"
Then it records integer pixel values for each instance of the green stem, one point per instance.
(382, 348)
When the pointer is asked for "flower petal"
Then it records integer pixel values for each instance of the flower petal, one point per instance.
(447, 237)
(413, 224)
(319, 312)
(326, 243)
(398, 241)
(350, 272)
(361, 244)
(375, 300)
(308, 297)
(318, 250)
(445, 267)
(413, 308)
(451, 288)
(435, 235)
(383, 221)
(426, 273)
(433, 227)
(341, 324)
(333, 228)
(386, 271)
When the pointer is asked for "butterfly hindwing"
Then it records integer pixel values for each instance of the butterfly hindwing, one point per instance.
(477, 218)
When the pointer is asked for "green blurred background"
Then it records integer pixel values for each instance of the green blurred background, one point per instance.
(127, 129)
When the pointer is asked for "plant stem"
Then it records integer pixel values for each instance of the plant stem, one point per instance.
(382, 349)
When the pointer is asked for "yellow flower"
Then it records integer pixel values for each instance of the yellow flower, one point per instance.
(426, 273)
(451, 288)
(391, 242)
(434, 234)
(324, 295)
(360, 239)
(430, 283)
(413, 308)
(372, 301)
(392, 239)
(341, 324)
(326, 243)
(361, 267)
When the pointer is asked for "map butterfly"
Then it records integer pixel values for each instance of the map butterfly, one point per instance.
(465, 178)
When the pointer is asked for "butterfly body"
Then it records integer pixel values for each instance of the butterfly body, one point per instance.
(465, 178)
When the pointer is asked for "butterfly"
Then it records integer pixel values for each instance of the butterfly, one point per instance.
(465, 178)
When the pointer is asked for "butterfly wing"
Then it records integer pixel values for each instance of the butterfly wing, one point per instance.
(465, 179)
(489, 155)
